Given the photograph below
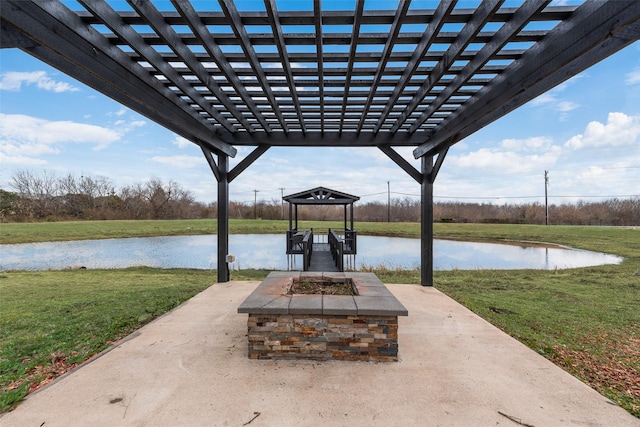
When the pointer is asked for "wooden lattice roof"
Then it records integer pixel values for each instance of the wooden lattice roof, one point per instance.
(292, 73)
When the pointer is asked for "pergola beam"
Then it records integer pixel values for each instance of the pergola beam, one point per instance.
(402, 162)
(248, 161)
(343, 17)
(326, 139)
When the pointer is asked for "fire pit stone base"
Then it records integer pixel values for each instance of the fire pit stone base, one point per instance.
(322, 327)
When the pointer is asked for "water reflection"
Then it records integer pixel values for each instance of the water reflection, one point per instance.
(267, 251)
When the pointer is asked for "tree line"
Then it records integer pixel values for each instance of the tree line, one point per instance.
(50, 197)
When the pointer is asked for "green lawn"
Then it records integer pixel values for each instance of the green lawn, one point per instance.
(585, 320)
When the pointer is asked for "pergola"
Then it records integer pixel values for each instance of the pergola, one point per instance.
(292, 73)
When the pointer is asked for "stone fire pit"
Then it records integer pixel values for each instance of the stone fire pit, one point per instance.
(286, 325)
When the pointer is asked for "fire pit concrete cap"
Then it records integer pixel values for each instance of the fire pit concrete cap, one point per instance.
(270, 297)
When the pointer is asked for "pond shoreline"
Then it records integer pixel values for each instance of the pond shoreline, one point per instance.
(267, 251)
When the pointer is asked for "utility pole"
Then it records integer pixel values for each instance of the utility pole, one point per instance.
(546, 202)
(388, 201)
(282, 202)
(255, 203)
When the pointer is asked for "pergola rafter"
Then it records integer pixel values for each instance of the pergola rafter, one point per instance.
(471, 29)
(394, 31)
(281, 44)
(406, 77)
(214, 51)
(241, 33)
(419, 54)
(567, 50)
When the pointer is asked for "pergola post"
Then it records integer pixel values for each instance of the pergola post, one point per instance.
(426, 222)
(223, 217)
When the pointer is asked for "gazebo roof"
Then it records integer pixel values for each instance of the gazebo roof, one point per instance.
(321, 196)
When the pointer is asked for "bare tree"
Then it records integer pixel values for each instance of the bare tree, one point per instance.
(38, 191)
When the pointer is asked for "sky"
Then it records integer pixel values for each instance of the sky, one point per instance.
(585, 133)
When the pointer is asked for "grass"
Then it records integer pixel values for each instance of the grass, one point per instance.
(585, 320)
(82, 230)
(50, 321)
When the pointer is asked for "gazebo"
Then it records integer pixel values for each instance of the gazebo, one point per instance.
(339, 243)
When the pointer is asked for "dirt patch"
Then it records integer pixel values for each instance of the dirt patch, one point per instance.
(614, 370)
(501, 310)
(322, 287)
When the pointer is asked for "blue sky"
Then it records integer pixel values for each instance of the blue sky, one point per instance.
(585, 132)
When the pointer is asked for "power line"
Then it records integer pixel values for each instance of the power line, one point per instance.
(499, 197)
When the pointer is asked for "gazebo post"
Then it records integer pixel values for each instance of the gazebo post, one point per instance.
(426, 222)
(345, 219)
(351, 212)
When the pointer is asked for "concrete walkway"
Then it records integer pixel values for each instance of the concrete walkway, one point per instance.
(189, 368)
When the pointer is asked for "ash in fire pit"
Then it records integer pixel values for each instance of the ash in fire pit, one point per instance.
(322, 287)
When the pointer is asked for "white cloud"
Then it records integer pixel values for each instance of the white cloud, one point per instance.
(566, 106)
(17, 149)
(19, 160)
(181, 142)
(553, 100)
(492, 160)
(534, 143)
(619, 130)
(123, 126)
(545, 98)
(510, 156)
(279, 160)
(19, 127)
(24, 138)
(13, 81)
(181, 162)
(633, 77)
(378, 156)
(550, 99)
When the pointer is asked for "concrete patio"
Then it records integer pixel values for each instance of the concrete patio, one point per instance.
(190, 368)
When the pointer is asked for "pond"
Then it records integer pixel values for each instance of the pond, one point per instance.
(267, 251)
